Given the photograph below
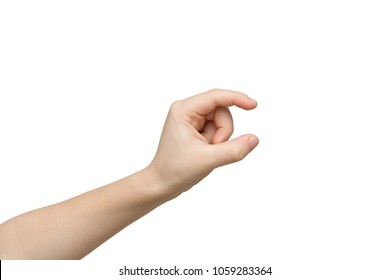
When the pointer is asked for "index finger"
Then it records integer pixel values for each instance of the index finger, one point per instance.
(206, 102)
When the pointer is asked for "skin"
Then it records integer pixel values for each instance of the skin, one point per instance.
(194, 141)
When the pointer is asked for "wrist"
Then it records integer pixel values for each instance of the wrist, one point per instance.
(158, 187)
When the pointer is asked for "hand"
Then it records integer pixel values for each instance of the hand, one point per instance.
(194, 141)
(195, 138)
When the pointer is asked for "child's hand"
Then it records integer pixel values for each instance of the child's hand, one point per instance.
(194, 141)
(195, 138)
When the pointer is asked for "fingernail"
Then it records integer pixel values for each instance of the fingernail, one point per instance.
(253, 142)
(251, 98)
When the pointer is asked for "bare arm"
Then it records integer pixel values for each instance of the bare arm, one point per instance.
(194, 141)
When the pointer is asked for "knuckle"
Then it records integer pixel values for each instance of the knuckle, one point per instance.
(231, 129)
(176, 105)
(237, 154)
(213, 90)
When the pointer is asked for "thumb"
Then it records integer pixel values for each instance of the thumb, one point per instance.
(233, 150)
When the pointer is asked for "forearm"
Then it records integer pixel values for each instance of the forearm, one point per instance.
(73, 228)
(193, 143)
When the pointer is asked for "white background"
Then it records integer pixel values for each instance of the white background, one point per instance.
(84, 90)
